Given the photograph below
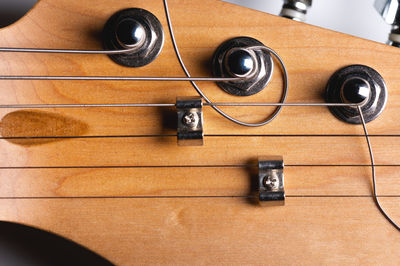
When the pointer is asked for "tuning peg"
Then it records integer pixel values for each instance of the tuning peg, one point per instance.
(240, 62)
(295, 9)
(238, 58)
(130, 33)
(390, 11)
(355, 90)
(359, 85)
(137, 30)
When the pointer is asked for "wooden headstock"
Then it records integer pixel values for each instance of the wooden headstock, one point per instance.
(113, 179)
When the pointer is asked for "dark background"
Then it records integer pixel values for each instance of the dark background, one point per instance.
(23, 245)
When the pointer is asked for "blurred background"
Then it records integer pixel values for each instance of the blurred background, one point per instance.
(355, 17)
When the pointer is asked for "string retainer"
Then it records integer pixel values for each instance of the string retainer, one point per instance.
(271, 188)
(190, 121)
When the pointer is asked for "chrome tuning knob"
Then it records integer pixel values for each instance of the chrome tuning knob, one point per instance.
(240, 62)
(130, 33)
(390, 11)
(240, 58)
(295, 9)
(137, 31)
(359, 85)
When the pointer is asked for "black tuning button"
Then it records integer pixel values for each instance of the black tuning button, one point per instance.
(240, 62)
(360, 85)
(237, 58)
(130, 33)
(137, 30)
(356, 90)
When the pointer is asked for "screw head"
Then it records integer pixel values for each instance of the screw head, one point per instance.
(271, 182)
(190, 119)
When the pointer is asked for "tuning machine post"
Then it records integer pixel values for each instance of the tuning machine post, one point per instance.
(296, 9)
(236, 58)
(136, 30)
(359, 85)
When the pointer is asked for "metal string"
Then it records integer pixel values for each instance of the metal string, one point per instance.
(184, 166)
(371, 154)
(182, 197)
(17, 106)
(200, 92)
(108, 78)
(65, 51)
(107, 52)
(175, 135)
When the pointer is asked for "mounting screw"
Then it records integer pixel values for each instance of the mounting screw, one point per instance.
(271, 182)
(190, 119)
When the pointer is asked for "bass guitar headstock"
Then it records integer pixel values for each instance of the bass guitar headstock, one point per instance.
(96, 96)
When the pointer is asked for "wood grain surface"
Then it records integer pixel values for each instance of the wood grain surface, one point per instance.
(114, 180)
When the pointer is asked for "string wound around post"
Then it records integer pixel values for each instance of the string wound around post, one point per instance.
(137, 31)
(271, 188)
(238, 58)
(190, 121)
(360, 85)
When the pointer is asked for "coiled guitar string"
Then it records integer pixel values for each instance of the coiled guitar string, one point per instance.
(200, 92)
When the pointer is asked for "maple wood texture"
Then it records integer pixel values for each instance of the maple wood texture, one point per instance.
(87, 205)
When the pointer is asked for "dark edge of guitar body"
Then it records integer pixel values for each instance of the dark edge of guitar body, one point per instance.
(25, 245)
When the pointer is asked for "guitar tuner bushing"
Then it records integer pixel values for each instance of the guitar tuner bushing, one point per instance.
(137, 30)
(236, 58)
(356, 84)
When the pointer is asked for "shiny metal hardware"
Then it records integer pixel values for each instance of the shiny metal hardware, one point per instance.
(295, 9)
(237, 58)
(137, 30)
(190, 121)
(271, 188)
(360, 85)
(390, 11)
